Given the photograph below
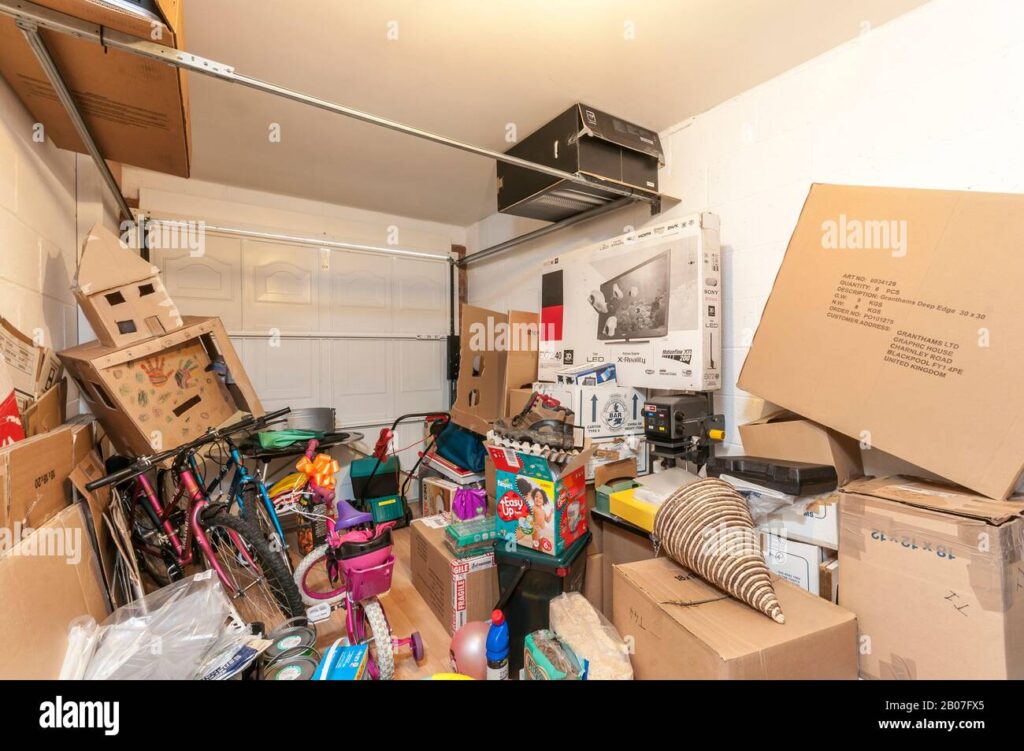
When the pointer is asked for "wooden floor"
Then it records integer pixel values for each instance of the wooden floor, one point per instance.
(407, 612)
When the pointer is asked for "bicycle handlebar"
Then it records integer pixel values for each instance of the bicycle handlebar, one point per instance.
(145, 463)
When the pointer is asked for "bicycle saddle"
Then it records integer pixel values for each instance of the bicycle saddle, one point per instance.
(354, 549)
(349, 517)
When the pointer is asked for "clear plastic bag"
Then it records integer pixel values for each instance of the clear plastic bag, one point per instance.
(591, 636)
(164, 635)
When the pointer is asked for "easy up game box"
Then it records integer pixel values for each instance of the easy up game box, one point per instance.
(540, 504)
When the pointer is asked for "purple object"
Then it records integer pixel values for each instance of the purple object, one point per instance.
(469, 503)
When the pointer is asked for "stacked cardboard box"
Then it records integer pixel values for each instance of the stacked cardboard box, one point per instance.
(911, 300)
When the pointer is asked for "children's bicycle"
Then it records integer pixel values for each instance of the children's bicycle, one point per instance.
(352, 569)
(191, 531)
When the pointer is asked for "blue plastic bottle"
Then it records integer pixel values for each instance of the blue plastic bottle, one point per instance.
(497, 648)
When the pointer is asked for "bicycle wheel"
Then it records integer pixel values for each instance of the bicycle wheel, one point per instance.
(315, 581)
(255, 510)
(382, 649)
(259, 585)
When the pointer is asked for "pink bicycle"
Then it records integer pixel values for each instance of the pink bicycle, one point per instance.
(352, 569)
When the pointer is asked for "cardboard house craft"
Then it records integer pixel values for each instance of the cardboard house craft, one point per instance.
(158, 394)
(121, 294)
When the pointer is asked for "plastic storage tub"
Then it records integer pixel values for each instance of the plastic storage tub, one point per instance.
(528, 581)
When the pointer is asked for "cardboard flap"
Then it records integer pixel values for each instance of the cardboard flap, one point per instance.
(623, 469)
(609, 128)
(91, 468)
(937, 497)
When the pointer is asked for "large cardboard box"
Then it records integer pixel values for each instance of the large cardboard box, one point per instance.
(458, 590)
(47, 580)
(649, 302)
(897, 318)
(34, 479)
(683, 628)
(497, 353)
(135, 108)
(619, 546)
(121, 295)
(933, 573)
(158, 394)
(787, 437)
(540, 504)
(611, 417)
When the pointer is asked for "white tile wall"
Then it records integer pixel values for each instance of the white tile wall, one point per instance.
(47, 196)
(932, 99)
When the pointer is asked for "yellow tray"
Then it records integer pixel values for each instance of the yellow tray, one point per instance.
(627, 506)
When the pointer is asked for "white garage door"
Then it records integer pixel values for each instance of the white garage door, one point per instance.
(361, 332)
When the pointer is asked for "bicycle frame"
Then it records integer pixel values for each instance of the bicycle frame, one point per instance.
(188, 487)
(239, 480)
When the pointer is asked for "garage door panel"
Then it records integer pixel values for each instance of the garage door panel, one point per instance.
(207, 285)
(285, 374)
(420, 376)
(280, 287)
(362, 380)
(421, 292)
(359, 298)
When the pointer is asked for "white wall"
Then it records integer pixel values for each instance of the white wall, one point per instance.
(48, 200)
(933, 99)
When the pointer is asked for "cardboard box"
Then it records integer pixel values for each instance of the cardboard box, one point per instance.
(157, 394)
(34, 479)
(498, 352)
(121, 295)
(933, 573)
(815, 521)
(540, 504)
(457, 590)
(723, 638)
(47, 580)
(611, 418)
(48, 412)
(619, 546)
(896, 317)
(797, 562)
(828, 580)
(136, 108)
(438, 495)
(32, 368)
(787, 437)
(587, 374)
(650, 303)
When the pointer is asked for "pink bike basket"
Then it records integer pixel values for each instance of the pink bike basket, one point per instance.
(369, 582)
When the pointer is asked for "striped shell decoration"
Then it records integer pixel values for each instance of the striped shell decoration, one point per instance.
(706, 527)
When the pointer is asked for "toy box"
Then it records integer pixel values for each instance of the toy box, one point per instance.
(540, 504)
